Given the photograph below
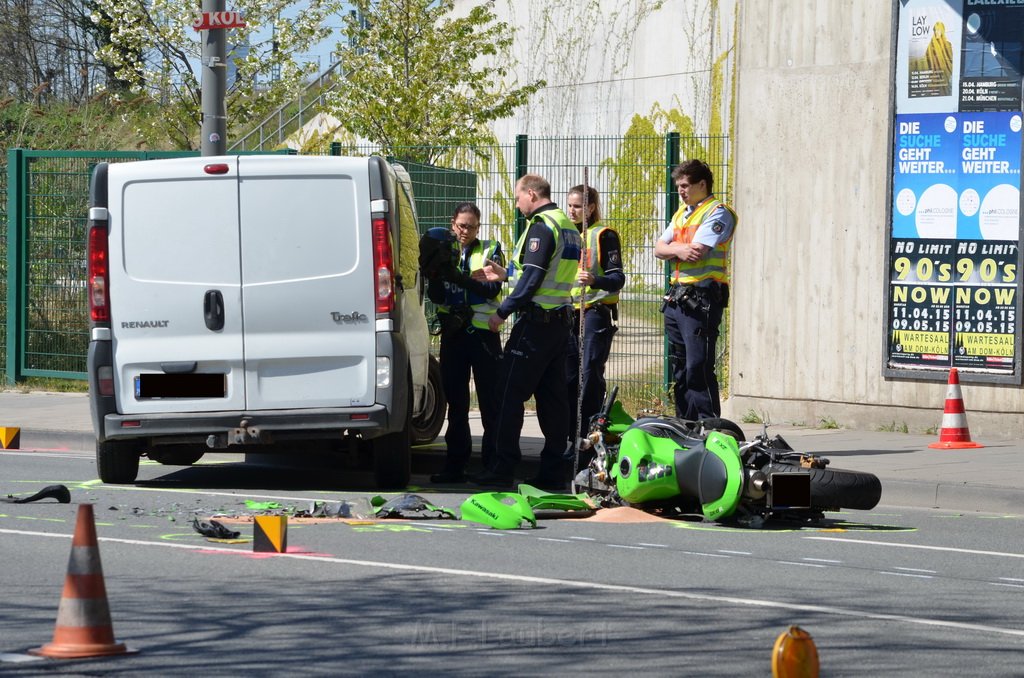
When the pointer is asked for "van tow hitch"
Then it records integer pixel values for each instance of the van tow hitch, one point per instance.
(245, 434)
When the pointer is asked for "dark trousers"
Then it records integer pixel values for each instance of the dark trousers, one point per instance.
(534, 364)
(477, 351)
(597, 345)
(693, 335)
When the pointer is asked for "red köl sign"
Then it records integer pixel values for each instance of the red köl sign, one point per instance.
(208, 20)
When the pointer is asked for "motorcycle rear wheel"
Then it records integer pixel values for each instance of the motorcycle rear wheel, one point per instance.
(837, 488)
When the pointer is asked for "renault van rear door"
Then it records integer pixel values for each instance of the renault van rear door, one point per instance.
(307, 282)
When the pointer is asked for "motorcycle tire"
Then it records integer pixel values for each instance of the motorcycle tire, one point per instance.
(724, 426)
(837, 488)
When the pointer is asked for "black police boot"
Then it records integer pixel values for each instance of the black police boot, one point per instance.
(496, 476)
(552, 477)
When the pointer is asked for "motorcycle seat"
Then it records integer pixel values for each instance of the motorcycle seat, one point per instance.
(683, 431)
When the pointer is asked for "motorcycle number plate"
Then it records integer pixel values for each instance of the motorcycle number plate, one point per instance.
(789, 490)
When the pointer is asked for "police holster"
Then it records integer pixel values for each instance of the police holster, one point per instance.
(455, 321)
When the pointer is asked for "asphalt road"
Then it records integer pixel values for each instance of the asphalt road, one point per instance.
(886, 592)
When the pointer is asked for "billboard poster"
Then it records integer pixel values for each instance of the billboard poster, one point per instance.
(928, 56)
(991, 60)
(954, 241)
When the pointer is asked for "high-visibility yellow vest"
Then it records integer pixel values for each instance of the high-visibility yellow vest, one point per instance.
(556, 288)
(593, 265)
(483, 308)
(712, 266)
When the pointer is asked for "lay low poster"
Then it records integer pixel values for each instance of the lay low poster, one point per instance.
(954, 246)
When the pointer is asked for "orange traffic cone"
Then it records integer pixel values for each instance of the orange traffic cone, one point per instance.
(954, 433)
(83, 618)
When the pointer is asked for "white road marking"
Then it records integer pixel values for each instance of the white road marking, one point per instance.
(567, 583)
(563, 541)
(915, 569)
(906, 574)
(736, 553)
(1011, 579)
(625, 546)
(1000, 554)
(1012, 586)
(706, 555)
(19, 658)
(823, 560)
(583, 538)
(791, 562)
(656, 546)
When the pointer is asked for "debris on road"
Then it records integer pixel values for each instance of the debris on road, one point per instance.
(58, 492)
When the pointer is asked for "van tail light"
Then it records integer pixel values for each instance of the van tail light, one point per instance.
(105, 380)
(383, 266)
(99, 274)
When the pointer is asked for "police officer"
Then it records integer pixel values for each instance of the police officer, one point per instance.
(598, 282)
(542, 273)
(467, 343)
(697, 244)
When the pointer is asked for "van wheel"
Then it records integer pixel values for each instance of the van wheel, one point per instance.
(427, 425)
(118, 461)
(176, 455)
(392, 460)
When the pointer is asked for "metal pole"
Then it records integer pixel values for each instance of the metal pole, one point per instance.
(671, 205)
(214, 126)
(522, 167)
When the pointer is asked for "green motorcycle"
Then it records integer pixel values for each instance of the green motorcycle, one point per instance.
(708, 468)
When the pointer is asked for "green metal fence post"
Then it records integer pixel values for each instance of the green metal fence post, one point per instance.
(671, 205)
(15, 261)
(335, 148)
(522, 167)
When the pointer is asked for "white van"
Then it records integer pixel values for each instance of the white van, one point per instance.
(240, 301)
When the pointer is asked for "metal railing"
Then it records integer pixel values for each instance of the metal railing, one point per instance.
(273, 130)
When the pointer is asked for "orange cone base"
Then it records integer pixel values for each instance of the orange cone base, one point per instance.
(954, 445)
(81, 650)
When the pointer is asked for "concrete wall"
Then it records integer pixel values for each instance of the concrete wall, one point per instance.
(608, 60)
(811, 146)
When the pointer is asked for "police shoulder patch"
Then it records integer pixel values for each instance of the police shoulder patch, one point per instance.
(717, 228)
(534, 244)
(613, 257)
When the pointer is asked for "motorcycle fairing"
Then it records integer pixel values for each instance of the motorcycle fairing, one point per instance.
(712, 472)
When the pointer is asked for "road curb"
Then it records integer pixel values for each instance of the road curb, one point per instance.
(953, 496)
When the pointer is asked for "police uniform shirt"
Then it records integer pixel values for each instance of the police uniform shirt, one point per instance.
(716, 228)
(537, 252)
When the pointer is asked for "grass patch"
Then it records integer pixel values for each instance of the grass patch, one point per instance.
(752, 417)
(893, 427)
(52, 384)
(827, 423)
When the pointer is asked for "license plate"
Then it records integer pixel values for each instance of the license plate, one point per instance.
(180, 386)
(789, 490)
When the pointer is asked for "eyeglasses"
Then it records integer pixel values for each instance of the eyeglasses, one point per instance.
(466, 227)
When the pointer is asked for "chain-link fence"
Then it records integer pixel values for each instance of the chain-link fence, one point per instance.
(630, 173)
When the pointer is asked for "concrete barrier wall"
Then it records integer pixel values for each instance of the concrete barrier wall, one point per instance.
(811, 150)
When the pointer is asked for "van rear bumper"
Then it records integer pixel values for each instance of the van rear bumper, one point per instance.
(237, 428)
